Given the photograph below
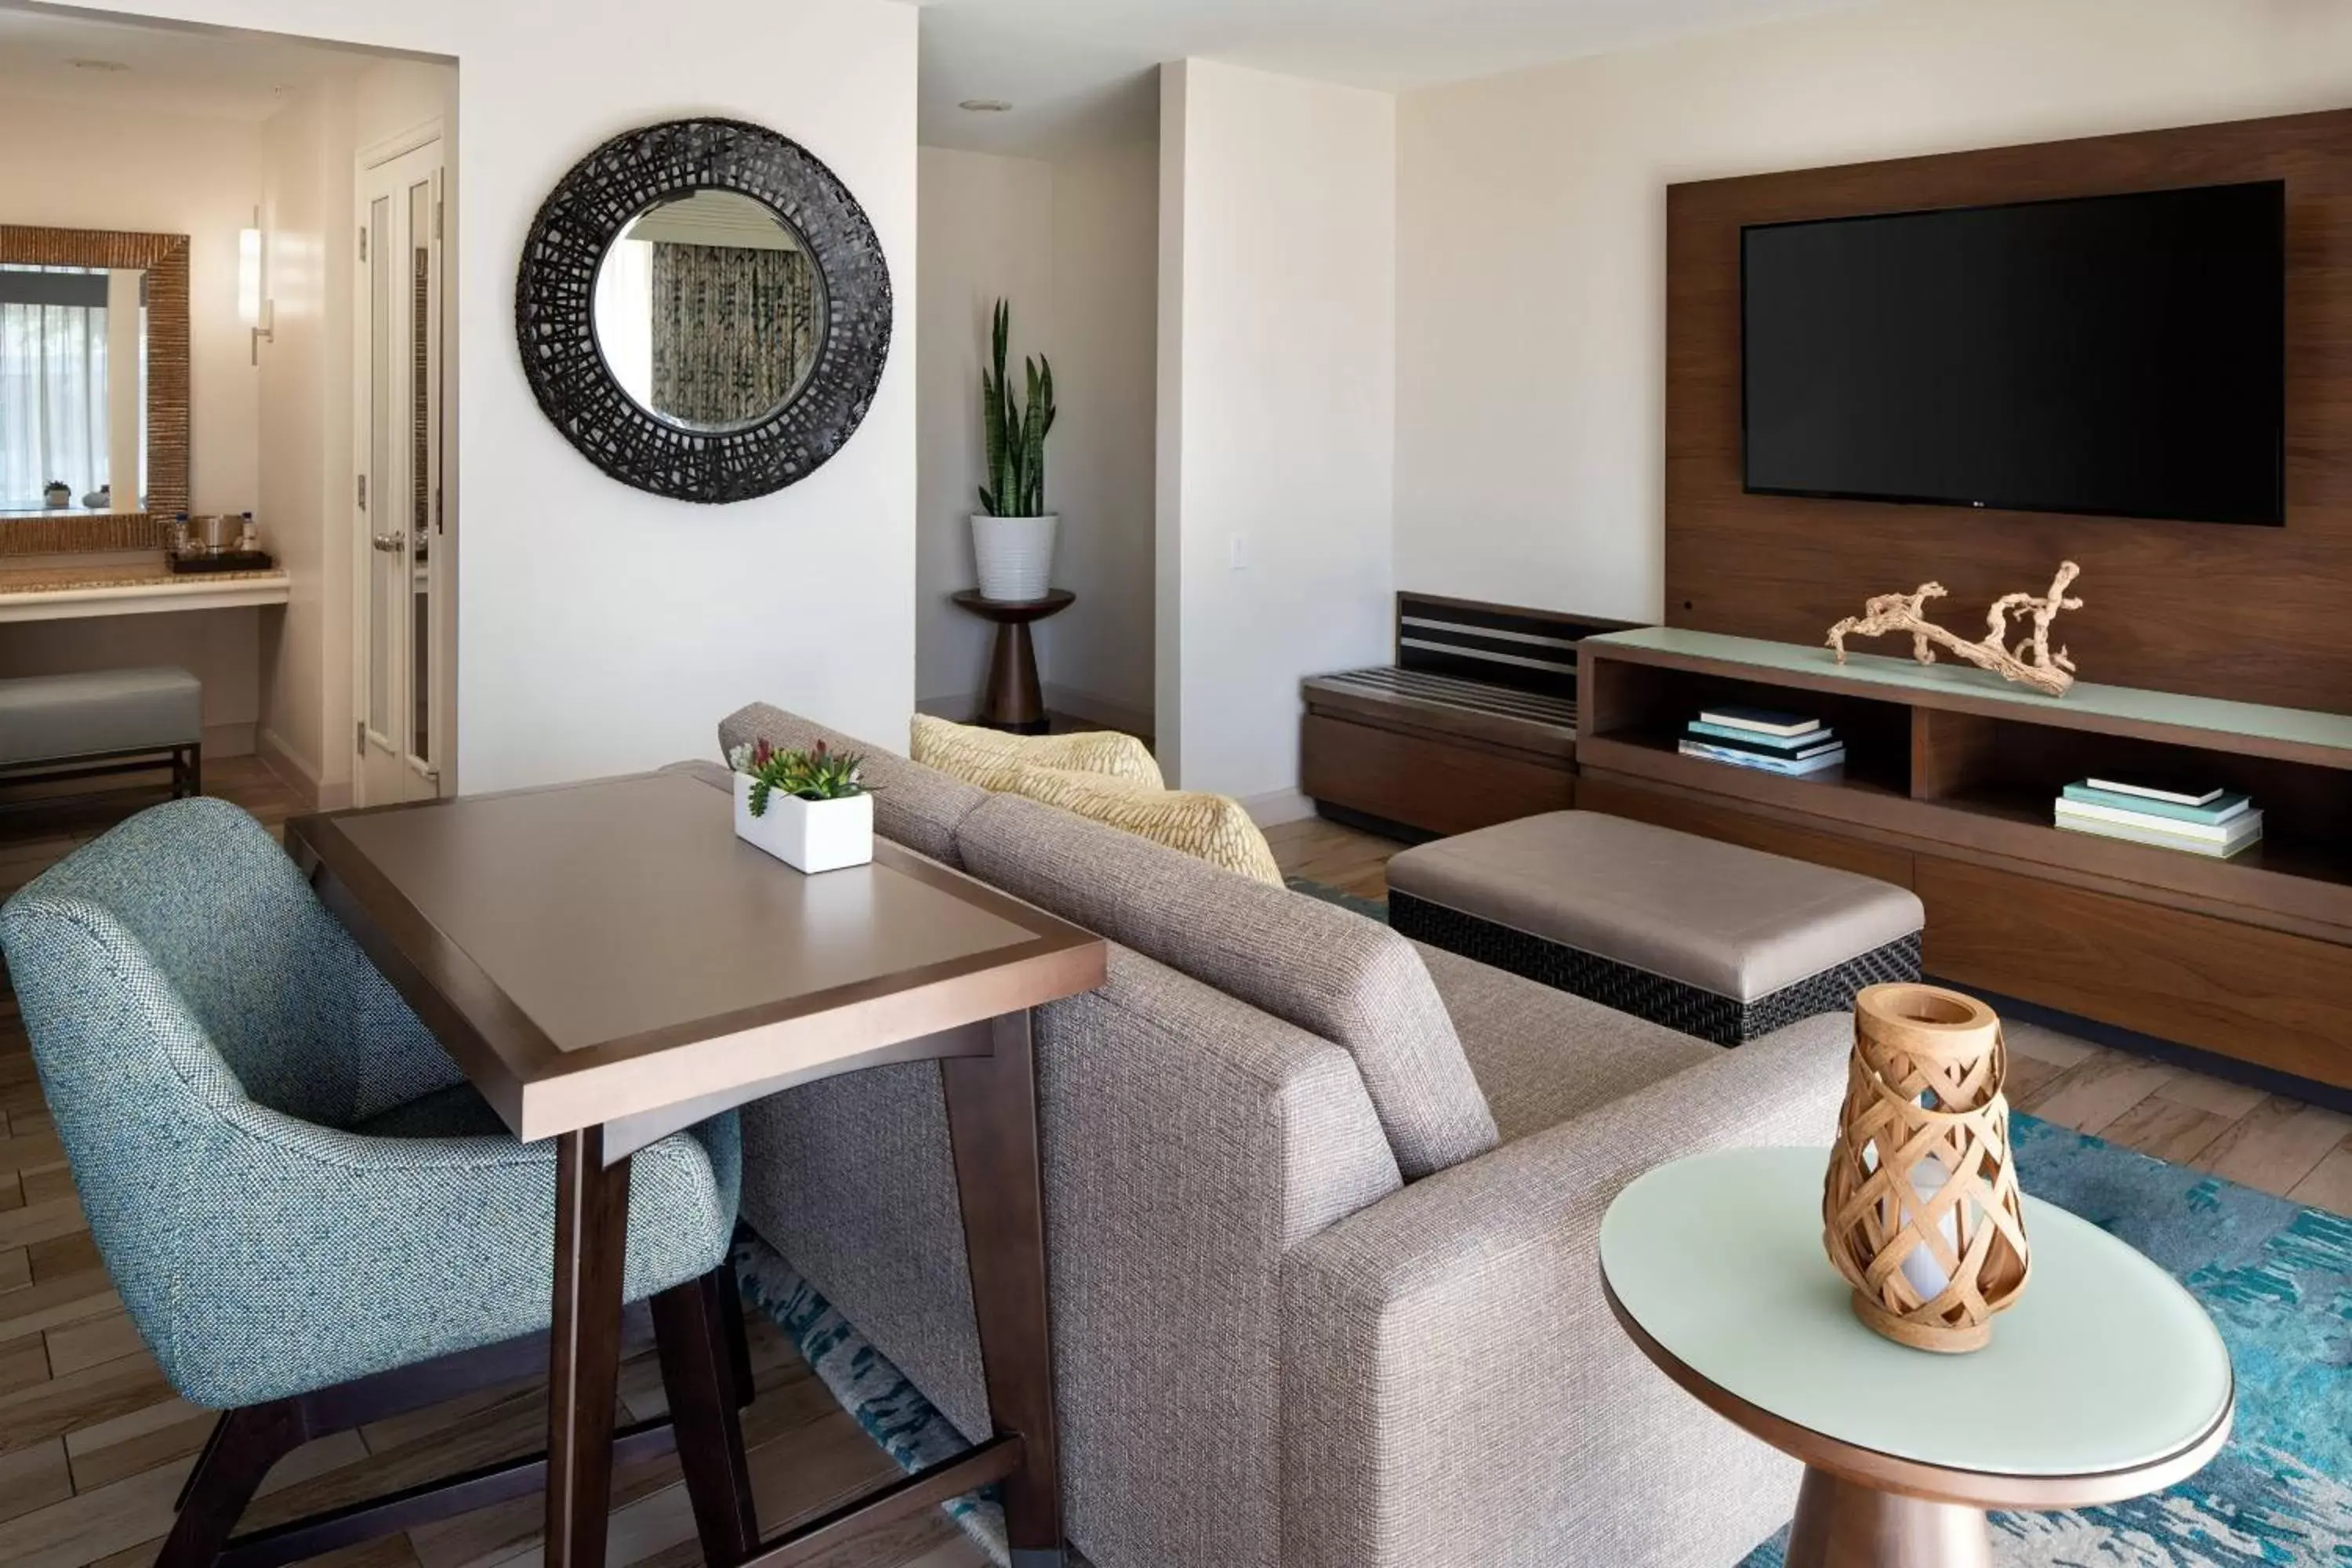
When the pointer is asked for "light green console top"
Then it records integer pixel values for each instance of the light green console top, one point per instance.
(1948, 675)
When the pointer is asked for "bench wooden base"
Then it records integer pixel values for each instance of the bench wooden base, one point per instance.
(186, 763)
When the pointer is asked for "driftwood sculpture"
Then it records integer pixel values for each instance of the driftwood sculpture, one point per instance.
(2030, 663)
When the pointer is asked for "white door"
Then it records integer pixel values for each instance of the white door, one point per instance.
(400, 555)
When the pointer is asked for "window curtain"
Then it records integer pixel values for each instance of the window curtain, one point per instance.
(733, 327)
(53, 407)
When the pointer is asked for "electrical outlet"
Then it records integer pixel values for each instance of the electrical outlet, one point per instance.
(1237, 551)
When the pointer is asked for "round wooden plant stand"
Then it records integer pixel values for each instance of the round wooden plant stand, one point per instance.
(1012, 700)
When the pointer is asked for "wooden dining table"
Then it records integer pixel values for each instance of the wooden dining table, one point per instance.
(608, 964)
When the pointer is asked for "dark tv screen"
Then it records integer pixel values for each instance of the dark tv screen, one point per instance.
(2120, 354)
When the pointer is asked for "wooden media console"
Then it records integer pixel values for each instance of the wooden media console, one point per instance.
(1947, 790)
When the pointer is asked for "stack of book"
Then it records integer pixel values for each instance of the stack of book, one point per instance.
(2213, 822)
(1759, 738)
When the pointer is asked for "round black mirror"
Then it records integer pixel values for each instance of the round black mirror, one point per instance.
(703, 310)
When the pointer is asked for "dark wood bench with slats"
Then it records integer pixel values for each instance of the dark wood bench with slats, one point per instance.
(1474, 724)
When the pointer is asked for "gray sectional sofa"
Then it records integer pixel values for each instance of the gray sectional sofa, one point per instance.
(1321, 1214)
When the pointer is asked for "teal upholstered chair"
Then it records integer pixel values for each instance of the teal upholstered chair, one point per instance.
(311, 1218)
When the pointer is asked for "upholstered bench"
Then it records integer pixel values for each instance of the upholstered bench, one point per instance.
(107, 722)
(1713, 940)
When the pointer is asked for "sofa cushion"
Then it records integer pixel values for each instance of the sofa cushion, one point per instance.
(1328, 970)
(1542, 1055)
(990, 757)
(914, 805)
(1211, 827)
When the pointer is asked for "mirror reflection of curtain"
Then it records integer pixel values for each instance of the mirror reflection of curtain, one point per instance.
(53, 402)
(733, 327)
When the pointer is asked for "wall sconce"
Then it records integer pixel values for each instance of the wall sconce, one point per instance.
(254, 307)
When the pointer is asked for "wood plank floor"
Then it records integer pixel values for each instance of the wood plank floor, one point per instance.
(94, 1446)
(2270, 1141)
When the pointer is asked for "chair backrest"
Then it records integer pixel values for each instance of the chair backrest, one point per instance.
(182, 954)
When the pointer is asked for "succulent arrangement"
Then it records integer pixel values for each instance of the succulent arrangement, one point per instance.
(817, 773)
(1015, 435)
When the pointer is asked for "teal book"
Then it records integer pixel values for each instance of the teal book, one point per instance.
(2212, 815)
(1809, 740)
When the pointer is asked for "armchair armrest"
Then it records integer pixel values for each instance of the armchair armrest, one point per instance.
(1454, 1388)
(290, 1256)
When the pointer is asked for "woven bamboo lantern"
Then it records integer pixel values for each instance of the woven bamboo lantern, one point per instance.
(1921, 1210)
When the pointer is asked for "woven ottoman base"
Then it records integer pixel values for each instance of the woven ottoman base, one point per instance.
(1687, 1008)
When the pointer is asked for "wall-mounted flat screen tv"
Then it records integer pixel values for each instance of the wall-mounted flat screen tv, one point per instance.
(2122, 355)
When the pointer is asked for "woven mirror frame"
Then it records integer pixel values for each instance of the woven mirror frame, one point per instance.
(1920, 1209)
(165, 259)
(555, 290)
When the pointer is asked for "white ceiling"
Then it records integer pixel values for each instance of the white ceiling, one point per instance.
(1076, 71)
(1081, 71)
(173, 70)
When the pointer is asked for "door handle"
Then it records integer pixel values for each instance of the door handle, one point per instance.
(391, 543)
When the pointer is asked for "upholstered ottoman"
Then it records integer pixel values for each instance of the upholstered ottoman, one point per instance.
(87, 723)
(1713, 940)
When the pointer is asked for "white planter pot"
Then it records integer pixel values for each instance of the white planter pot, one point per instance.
(1015, 555)
(807, 834)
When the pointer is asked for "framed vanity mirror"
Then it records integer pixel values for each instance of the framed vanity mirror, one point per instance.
(703, 310)
(93, 388)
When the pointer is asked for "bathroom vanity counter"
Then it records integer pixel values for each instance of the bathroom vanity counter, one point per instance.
(147, 587)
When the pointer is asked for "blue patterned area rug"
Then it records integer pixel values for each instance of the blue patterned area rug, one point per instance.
(901, 1422)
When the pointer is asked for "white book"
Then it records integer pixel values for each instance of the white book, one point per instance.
(1761, 721)
(2175, 796)
(2159, 840)
(2237, 827)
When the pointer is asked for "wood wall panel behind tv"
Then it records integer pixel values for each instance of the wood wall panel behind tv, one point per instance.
(2260, 614)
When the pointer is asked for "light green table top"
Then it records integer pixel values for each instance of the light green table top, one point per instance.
(2104, 1364)
(2300, 726)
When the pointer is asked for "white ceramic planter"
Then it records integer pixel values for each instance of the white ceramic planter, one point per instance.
(1015, 555)
(807, 834)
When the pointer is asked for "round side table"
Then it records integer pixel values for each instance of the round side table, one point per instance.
(2105, 1381)
(1012, 699)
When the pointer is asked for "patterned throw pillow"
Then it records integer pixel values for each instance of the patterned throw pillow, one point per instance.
(1210, 827)
(990, 758)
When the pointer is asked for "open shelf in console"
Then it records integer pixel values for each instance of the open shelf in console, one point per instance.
(1641, 710)
(1947, 760)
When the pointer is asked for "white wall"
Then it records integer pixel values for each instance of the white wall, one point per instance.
(1073, 244)
(1276, 413)
(309, 153)
(306, 205)
(1532, 267)
(1096, 656)
(162, 174)
(600, 629)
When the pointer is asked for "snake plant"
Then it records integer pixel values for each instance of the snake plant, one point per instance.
(1015, 435)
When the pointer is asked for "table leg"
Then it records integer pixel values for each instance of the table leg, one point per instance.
(592, 1243)
(1014, 699)
(1840, 1524)
(992, 1121)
